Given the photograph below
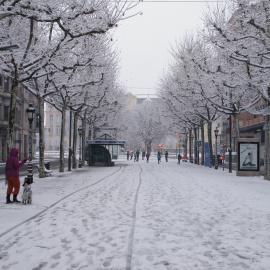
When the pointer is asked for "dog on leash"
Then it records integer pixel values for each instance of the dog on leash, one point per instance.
(27, 192)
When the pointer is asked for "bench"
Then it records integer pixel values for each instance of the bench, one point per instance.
(47, 172)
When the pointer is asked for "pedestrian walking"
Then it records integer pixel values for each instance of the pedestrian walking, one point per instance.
(159, 157)
(137, 155)
(12, 175)
(166, 156)
(131, 155)
(127, 155)
(134, 155)
(143, 155)
(147, 156)
(179, 158)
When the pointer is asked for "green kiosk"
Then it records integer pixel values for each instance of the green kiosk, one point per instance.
(97, 151)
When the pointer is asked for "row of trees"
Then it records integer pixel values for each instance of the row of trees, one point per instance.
(146, 123)
(65, 57)
(223, 71)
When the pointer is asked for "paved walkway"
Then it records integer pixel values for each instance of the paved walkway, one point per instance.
(139, 216)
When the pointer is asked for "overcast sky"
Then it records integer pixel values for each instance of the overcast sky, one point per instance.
(145, 41)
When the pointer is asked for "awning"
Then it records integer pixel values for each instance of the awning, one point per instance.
(252, 127)
(105, 142)
(106, 139)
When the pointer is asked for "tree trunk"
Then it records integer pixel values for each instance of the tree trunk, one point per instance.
(41, 136)
(195, 158)
(202, 152)
(83, 137)
(209, 133)
(11, 118)
(62, 150)
(236, 125)
(189, 135)
(267, 148)
(74, 157)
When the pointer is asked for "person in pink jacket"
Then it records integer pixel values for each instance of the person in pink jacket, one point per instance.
(12, 175)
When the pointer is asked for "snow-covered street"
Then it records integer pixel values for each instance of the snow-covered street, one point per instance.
(139, 215)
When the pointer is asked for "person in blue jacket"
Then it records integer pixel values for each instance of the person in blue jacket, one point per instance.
(159, 157)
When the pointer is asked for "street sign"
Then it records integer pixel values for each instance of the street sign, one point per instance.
(198, 143)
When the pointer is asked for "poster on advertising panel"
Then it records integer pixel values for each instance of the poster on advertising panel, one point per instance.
(248, 156)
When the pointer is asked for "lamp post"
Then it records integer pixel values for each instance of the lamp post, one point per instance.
(80, 147)
(30, 114)
(216, 161)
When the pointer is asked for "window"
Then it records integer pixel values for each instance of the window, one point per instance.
(58, 119)
(6, 113)
(51, 130)
(58, 130)
(51, 118)
(18, 116)
(37, 120)
(6, 85)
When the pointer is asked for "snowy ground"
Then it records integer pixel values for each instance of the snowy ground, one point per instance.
(139, 216)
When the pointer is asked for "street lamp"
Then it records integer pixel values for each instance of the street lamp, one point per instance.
(216, 161)
(80, 147)
(30, 114)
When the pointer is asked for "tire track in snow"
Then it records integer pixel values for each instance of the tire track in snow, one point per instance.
(52, 205)
(131, 235)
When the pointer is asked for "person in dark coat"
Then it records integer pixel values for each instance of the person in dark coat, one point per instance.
(166, 156)
(137, 155)
(147, 156)
(127, 155)
(143, 155)
(12, 175)
(179, 158)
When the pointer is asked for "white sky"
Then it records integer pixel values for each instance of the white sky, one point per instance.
(140, 215)
(145, 41)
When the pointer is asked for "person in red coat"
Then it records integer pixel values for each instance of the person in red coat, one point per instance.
(12, 175)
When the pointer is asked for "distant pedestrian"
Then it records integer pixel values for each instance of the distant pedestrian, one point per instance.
(134, 155)
(166, 156)
(12, 175)
(159, 157)
(131, 155)
(143, 155)
(127, 155)
(147, 156)
(137, 155)
(179, 158)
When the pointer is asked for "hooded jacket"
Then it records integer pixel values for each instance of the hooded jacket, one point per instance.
(13, 164)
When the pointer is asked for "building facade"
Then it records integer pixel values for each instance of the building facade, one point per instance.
(52, 129)
(20, 138)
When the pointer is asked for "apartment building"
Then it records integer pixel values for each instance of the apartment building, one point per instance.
(21, 128)
(52, 129)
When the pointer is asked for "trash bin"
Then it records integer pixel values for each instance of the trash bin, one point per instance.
(47, 165)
